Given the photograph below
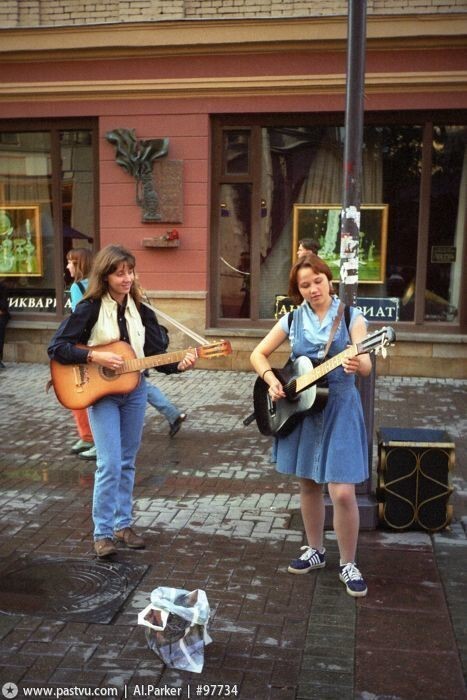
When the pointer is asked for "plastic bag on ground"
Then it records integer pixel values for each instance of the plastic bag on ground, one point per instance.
(176, 627)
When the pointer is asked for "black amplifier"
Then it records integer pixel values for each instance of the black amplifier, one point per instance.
(413, 478)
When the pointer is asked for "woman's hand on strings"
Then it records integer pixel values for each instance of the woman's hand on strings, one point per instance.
(107, 359)
(275, 390)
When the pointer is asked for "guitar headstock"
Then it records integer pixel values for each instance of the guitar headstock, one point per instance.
(219, 349)
(377, 341)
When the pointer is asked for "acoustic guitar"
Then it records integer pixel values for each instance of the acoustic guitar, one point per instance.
(300, 379)
(81, 385)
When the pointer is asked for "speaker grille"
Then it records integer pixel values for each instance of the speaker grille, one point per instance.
(413, 484)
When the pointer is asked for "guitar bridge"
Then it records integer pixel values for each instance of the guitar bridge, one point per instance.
(271, 406)
(81, 377)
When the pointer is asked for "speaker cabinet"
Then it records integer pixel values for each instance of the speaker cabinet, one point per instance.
(413, 478)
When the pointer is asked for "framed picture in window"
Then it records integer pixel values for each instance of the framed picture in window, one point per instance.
(322, 222)
(20, 241)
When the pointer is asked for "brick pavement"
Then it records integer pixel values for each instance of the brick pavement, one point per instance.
(218, 517)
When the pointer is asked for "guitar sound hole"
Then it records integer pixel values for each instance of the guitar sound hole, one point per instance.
(108, 373)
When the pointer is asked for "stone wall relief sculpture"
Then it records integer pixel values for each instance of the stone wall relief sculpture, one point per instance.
(137, 156)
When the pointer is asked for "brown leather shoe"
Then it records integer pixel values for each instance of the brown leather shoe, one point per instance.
(105, 548)
(130, 538)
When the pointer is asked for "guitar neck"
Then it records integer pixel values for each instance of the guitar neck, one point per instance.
(309, 378)
(138, 364)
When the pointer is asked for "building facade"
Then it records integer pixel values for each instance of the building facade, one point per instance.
(208, 138)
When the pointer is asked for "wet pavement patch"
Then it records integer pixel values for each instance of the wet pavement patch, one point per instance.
(153, 480)
(67, 589)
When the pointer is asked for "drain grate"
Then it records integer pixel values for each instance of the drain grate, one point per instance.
(68, 589)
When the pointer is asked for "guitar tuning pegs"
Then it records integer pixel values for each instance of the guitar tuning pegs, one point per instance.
(381, 348)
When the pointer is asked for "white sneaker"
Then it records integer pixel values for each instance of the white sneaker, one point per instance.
(310, 559)
(353, 580)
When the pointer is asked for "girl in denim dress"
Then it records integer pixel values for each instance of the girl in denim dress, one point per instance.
(329, 447)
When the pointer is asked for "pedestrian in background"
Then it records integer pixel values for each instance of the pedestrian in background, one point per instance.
(307, 245)
(161, 403)
(328, 447)
(79, 262)
(156, 396)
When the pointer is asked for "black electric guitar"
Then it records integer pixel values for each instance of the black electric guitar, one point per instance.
(300, 379)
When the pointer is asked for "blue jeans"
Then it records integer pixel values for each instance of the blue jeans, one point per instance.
(161, 403)
(117, 426)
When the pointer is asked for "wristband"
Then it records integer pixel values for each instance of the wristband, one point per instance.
(266, 370)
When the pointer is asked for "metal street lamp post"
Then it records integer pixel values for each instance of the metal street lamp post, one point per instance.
(350, 217)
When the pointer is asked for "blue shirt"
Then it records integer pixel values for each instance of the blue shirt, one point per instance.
(76, 294)
(314, 332)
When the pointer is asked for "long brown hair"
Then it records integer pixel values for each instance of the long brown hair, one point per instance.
(106, 262)
(82, 260)
(316, 264)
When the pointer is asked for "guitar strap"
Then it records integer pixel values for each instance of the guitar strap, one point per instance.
(191, 334)
(334, 328)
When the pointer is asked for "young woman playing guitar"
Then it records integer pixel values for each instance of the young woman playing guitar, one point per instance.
(328, 447)
(116, 419)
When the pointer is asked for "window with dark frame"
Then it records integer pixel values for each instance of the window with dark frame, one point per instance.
(262, 170)
(48, 200)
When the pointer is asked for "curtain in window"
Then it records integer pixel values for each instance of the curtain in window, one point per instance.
(305, 166)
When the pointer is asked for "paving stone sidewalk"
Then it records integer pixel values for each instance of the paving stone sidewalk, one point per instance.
(217, 517)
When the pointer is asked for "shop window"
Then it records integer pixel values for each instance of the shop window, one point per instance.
(400, 176)
(46, 207)
(447, 223)
(236, 152)
(235, 245)
(293, 169)
(27, 236)
(77, 189)
(256, 223)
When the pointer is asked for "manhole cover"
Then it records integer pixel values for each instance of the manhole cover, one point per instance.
(68, 589)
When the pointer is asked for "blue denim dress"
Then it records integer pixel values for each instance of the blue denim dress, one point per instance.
(330, 446)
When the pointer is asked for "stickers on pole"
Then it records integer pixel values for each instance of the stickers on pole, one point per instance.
(349, 247)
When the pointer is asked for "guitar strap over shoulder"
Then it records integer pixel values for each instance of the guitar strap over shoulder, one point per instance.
(346, 315)
(334, 327)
